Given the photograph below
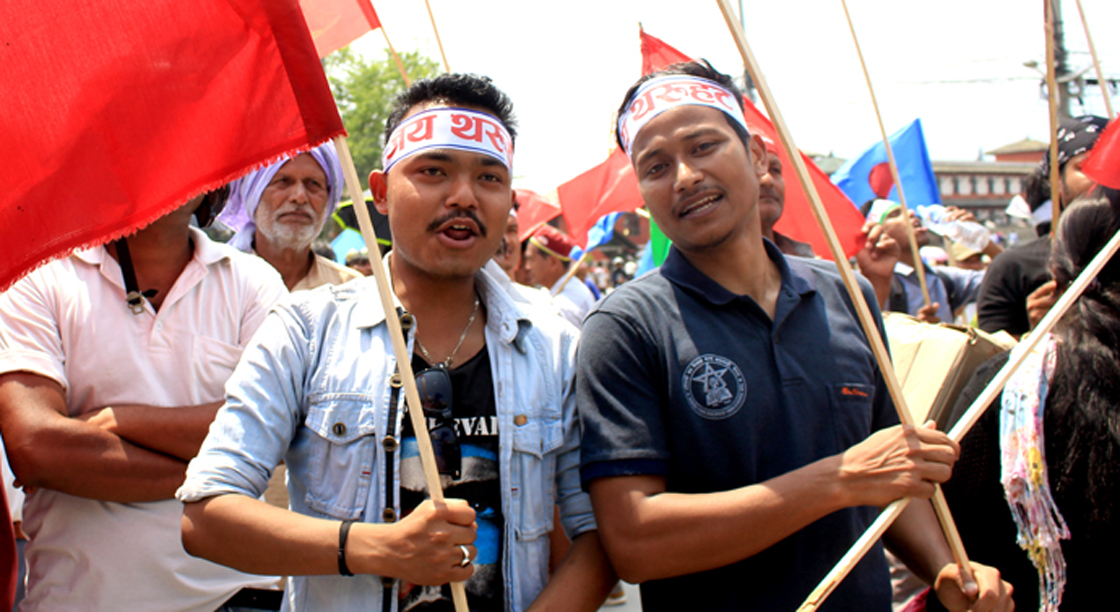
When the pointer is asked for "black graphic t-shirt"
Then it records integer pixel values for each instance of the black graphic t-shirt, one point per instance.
(476, 424)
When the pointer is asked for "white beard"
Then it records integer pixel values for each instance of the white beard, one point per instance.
(289, 235)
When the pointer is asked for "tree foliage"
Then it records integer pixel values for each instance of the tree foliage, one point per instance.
(364, 91)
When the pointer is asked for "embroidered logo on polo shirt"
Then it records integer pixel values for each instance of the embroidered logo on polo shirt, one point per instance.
(714, 386)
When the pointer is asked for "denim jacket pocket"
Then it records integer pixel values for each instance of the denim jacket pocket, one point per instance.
(534, 444)
(343, 444)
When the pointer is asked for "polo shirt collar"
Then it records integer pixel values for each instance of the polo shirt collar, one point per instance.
(796, 277)
(206, 251)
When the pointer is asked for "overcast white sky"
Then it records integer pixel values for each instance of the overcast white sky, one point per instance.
(956, 64)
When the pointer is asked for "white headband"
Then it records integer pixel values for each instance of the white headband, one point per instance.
(449, 128)
(661, 94)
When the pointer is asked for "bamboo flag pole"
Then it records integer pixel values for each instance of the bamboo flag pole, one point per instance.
(911, 237)
(396, 58)
(973, 414)
(940, 506)
(871, 330)
(571, 272)
(1096, 63)
(432, 18)
(1052, 86)
(400, 349)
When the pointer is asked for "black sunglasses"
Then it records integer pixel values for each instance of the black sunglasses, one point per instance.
(434, 387)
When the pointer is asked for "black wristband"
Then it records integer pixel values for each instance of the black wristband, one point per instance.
(343, 533)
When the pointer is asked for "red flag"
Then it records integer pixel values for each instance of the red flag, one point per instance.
(1103, 162)
(337, 23)
(534, 210)
(117, 111)
(609, 187)
(797, 219)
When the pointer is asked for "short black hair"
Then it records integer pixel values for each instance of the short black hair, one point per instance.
(456, 90)
(701, 69)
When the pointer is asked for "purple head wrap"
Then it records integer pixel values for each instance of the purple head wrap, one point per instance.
(245, 194)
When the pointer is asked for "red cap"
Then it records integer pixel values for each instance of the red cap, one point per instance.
(554, 242)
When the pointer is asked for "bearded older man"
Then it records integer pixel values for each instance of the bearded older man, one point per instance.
(279, 210)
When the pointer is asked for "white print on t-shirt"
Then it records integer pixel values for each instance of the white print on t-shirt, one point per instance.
(714, 386)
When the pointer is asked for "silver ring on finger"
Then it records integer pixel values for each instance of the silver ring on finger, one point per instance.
(466, 556)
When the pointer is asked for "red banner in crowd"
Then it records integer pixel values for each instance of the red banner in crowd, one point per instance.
(117, 111)
(534, 210)
(1103, 162)
(337, 23)
(609, 187)
(797, 220)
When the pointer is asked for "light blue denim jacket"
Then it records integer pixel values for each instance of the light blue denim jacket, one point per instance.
(313, 388)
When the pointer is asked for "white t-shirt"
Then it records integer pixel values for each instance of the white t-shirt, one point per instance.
(68, 321)
(574, 301)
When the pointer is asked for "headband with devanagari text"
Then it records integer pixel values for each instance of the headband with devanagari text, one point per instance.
(449, 128)
(663, 93)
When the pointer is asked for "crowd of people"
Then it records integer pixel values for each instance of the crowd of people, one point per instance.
(201, 426)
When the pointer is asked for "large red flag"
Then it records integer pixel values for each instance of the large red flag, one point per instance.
(609, 187)
(114, 112)
(797, 220)
(337, 23)
(534, 210)
(1103, 162)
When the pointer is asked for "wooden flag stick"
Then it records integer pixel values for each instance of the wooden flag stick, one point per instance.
(940, 506)
(397, 59)
(432, 18)
(973, 414)
(912, 238)
(1096, 63)
(871, 330)
(571, 272)
(400, 349)
(1052, 87)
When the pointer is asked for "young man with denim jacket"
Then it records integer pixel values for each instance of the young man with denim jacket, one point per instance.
(319, 389)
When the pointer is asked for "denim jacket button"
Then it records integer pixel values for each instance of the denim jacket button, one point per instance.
(390, 443)
(339, 429)
(389, 515)
(395, 380)
(406, 321)
(520, 420)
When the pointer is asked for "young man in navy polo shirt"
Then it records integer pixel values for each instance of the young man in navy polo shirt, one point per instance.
(737, 434)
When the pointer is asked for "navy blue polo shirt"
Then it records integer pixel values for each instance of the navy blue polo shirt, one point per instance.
(678, 377)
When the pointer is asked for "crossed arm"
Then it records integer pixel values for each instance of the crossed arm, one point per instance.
(121, 454)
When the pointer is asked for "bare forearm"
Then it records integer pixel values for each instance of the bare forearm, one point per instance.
(177, 431)
(916, 539)
(710, 530)
(50, 450)
(79, 459)
(581, 582)
(253, 536)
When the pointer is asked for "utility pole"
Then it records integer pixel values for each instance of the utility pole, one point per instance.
(1061, 67)
(748, 82)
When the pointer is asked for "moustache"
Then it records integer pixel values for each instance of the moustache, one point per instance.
(469, 214)
(768, 192)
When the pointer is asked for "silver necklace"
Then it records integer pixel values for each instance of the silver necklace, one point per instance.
(463, 336)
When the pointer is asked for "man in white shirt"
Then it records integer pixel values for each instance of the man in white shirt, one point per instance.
(548, 258)
(112, 365)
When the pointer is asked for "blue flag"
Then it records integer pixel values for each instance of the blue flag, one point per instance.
(346, 241)
(599, 234)
(868, 176)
